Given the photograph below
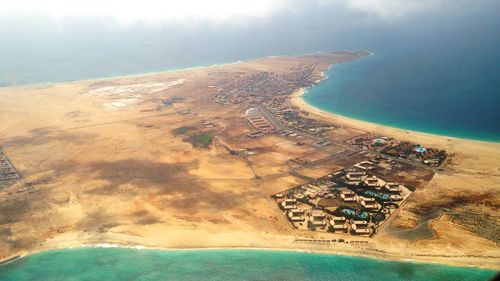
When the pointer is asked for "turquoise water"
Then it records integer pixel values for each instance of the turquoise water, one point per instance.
(128, 264)
(417, 91)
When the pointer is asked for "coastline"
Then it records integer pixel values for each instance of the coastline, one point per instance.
(151, 73)
(297, 99)
(353, 119)
(119, 76)
(464, 262)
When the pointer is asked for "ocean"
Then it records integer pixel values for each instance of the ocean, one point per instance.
(121, 264)
(426, 91)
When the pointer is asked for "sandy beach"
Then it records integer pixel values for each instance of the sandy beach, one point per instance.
(297, 100)
(274, 243)
(487, 153)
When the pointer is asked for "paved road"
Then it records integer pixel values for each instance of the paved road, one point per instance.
(280, 126)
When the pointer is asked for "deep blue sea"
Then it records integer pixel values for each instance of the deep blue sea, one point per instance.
(432, 91)
(117, 264)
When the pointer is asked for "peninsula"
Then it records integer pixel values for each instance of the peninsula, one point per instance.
(231, 156)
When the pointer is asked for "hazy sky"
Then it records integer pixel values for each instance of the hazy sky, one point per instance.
(44, 40)
(218, 11)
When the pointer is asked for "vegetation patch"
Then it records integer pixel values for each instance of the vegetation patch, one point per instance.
(195, 137)
(183, 130)
(200, 140)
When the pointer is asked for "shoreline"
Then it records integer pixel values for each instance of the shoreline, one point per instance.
(359, 123)
(118, 76)
(297, 99)
(155, 72)
(388, 257)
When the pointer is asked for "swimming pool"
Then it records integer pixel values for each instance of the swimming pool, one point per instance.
(420, 149)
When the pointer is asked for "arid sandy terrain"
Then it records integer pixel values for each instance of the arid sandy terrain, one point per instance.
(164, 160)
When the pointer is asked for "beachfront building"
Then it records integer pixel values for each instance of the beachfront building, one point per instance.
(361, 231)
(359, 208)
(317, 219)
(316, 224)
(360, 227)
(338, 224)
(337, 227)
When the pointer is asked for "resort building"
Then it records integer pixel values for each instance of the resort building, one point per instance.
(359, 223)
(373, 182)
(295, 218)
(393, 187)
(360, 227)
(348, 196)
(365, 165)
(313, 223)
(317, 215)
(361, 231)
(338, 219)
(338, 227)
(369, 203)
(355, 176)
(395, 197)
(300, 196)
(338, 203)
(288, 204)
(296, 212)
